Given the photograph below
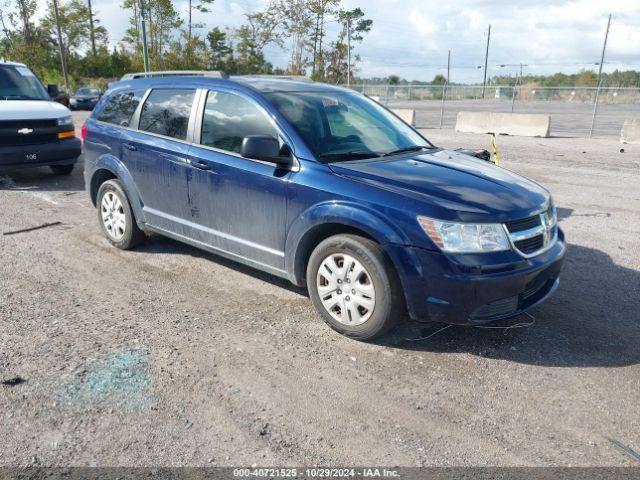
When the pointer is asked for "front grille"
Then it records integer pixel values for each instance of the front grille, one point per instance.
(532, 293)
(523, 224)
(530, 245)
(18, 124)
(32, 139)
(28, 140)
(42, 131)
(496, 309)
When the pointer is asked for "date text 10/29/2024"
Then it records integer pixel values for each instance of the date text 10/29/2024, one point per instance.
(315, 472)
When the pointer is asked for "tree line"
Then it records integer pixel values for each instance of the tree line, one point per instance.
(315, 34)
(584, 78)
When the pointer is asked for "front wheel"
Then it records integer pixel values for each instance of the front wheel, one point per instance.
(354, 287)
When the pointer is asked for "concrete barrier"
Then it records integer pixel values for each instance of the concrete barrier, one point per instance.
(521, 124)
(406, 114)
(631, 131)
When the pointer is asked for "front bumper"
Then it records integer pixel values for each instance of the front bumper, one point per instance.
(464, 290)
(60, 152)
(83, 104)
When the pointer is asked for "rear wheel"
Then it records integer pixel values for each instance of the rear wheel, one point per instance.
(116, 217)
(62, 169)
(354, 287)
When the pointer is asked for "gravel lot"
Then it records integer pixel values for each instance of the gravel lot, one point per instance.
(167, 355)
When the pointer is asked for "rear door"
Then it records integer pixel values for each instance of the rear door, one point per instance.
(110, 126)
(238, 204)
(156, 156)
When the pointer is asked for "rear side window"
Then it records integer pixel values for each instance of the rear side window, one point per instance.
(166, 112)
(120, 108)
(228, 118)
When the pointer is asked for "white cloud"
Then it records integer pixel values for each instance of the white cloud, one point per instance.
(476, 20)
(422, 25)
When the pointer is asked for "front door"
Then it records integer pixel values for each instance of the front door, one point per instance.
(238, 204)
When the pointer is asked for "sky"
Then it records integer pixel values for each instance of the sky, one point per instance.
(411, 38)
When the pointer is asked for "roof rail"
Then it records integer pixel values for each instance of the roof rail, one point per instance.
(176, 73)
(297, 78)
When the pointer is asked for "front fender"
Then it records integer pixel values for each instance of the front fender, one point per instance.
(347, 214)
(117, 168)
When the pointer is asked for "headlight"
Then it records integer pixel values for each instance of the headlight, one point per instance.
(465, 237)
(550, 216)
(65, 121)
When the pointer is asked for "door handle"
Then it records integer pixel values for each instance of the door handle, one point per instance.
(202, 165)
(130, 146)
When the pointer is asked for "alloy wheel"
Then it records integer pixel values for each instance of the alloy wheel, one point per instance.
(113, 216)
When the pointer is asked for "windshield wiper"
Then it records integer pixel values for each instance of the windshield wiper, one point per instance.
(18, 97)
(354, 155)
(413, 148)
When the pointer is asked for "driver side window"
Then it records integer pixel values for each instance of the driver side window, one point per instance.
(228, 118)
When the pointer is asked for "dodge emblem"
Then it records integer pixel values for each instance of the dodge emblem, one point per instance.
(25, 131)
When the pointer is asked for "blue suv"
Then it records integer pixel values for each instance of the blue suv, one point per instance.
(326, 188)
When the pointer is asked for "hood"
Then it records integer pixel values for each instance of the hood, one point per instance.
(454, 185)
(85, 97)
(31, 109)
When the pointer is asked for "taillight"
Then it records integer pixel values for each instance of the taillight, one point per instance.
(83, 132)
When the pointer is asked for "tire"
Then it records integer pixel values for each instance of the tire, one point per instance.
(62, 169)
(116, 217)
(378, 281)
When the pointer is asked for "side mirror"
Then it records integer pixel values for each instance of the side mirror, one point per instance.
(53, 90)
(265, 148)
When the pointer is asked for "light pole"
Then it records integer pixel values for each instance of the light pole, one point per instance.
(63, 61)
(93, 35)
(595, 104)
(145, 50)
(486, 59)
(348, 52)
(517, 82)
(444, 88)
(515, 86)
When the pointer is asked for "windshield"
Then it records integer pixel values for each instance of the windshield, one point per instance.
(19, 83)
(345, 126)
(88, 91)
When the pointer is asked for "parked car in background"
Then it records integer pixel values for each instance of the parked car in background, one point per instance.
(85, 98)
(325, 187)
(34, 130)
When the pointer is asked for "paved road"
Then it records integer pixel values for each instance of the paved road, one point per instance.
(170, 356)
(567, 119)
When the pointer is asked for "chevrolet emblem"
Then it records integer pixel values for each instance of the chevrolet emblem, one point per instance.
(25, 131)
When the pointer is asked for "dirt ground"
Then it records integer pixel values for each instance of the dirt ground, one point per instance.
(170, 356)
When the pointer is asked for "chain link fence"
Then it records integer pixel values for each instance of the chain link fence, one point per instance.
(571, 108)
